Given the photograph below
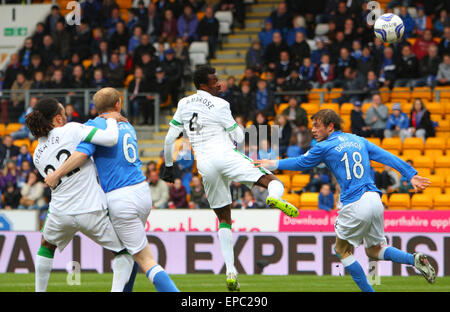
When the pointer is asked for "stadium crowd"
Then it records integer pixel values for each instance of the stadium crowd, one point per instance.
(149, 53)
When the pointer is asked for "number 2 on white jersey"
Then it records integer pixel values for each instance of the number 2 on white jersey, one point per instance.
(127, 147)
(357, 158)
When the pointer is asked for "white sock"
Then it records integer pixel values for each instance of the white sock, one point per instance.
(122, 267)
(43, 267)
(275, 189)
(226, 244)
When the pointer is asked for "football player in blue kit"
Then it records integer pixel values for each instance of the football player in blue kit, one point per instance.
(128, 195)
(360, 218)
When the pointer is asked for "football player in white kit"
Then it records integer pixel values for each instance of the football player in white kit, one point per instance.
(209, 125)
(78, 202)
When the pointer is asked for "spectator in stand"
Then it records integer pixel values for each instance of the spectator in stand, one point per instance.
(405, 185)
(148, 64)
(356, 50)
(34, 66)
(422, 21)
(38, 35)
(57, 81)
(407, 68)
(23, 170)
(267, 151)
(18, 88)
(284, 133)
(300, 49)
(371, 85)
(91, 11)
(159, 191)
(24, 155)
(295, 113)
(135, 40)
(341, 15)
(159, 84)
(264, 99)
(97, 37)
(110, 24)
(366, 62)
(115, 72)
(250, 77)
(119, 37)
(208, 30)
(397, 124)
(428, 68)
(273, 51)
(38, 81)
(226, 93)
(61, 40)
(7, 151)
(320, 50)
(10, 172)
(408, 21)
(353, 84)
(145, 46)
(388, 68)
(152, 23)
(420, 124)
(161, 47)
(244, 103)
(281, 18)
(69, 66)
(174, 72)
(104, 52)
(440, 23)
(294, 149)
(12, 70)
(185, 161)
(182, 54)
(169, 27)
(358, 124)
(266, 34)
(107, 7)
(444, 45)
(141, 10)
(306, 73)
(337, 45)
(198, 195)
(32, 193)
(57, 64)
(177, 195)
(260, 194)
(248, 201)
(139, 104)
(326, 198)
(52, 19)
(443, 74)
(187, 25)
(377, 116)
(299, 24)
(325, 72)
(314, 184)
(98, 80)
(133, 19)
(344, 61)
(12, 196)
(349, 31)
(285, 66)
(422, 44)
(237, 191)
(254, 56)
(388, 181)
(24, 132)
(71, 114)
(293, 82)
(96, 63)
(26, 52)
(48, 50)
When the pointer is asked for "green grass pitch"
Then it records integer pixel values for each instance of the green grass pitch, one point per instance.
(92, 282)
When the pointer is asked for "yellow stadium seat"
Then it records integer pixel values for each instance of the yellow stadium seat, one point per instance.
(286, 179)
(365, 107)
(2, 130)
(293, 198)
(299, 181)
(384, 199)
(33, 146)
(315, 94)
(447, 181)
(347, 123)
(442, 202)
(310, 108)
(433, 153)
(433, 191)
(421, 202)
(385, 94)
(444, 93)
(436, 180)
(87, 63)
(392, 144)
(346, 109)
(309, 201)
(424, 172)
(376, 165)
(411, 154)
(399, 201)
(12, 127)
(443, 126)
(332, 106)
(21, 142)
(422, 92)
(376, 141)
(436, 108)
(413, 143)
(400, 93)
(446, 108)
(407, 107)
(280, 108)
(128, 80)
(423, 162)
(334, 94)
(442, 165)
(435, 143)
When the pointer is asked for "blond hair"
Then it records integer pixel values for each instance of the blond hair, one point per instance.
(105, 99)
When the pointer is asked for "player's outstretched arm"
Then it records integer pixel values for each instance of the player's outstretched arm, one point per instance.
(419, 183)
(107, 137)
(77, 159)
(266, 163)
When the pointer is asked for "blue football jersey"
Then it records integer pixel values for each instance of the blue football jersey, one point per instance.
(348, 156)
(117, 166)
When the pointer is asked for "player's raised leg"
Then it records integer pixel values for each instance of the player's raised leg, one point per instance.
(226, 245)
(418, 260)
(276, 190)
(43, 265)
(344, 251)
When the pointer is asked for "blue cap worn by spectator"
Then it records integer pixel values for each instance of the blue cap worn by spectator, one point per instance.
(159, 69)
(357, 103)
(396, 106)
(169, 51)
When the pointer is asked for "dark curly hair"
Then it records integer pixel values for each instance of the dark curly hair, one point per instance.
(327, 116)
(201, 75)
(40, 120)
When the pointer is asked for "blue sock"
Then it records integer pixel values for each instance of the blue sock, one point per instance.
(396, 255)
(357, 273)
(129, 286)
(161, 279)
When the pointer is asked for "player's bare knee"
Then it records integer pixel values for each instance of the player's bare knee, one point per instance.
(46, 244)
(373, 252)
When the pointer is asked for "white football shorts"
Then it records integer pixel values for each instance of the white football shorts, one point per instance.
(362, 221)
(129, 208)
(219, 170)
(60, 229)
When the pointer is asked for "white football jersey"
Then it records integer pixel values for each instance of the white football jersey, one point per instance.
(79, 191)
(207, 120)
